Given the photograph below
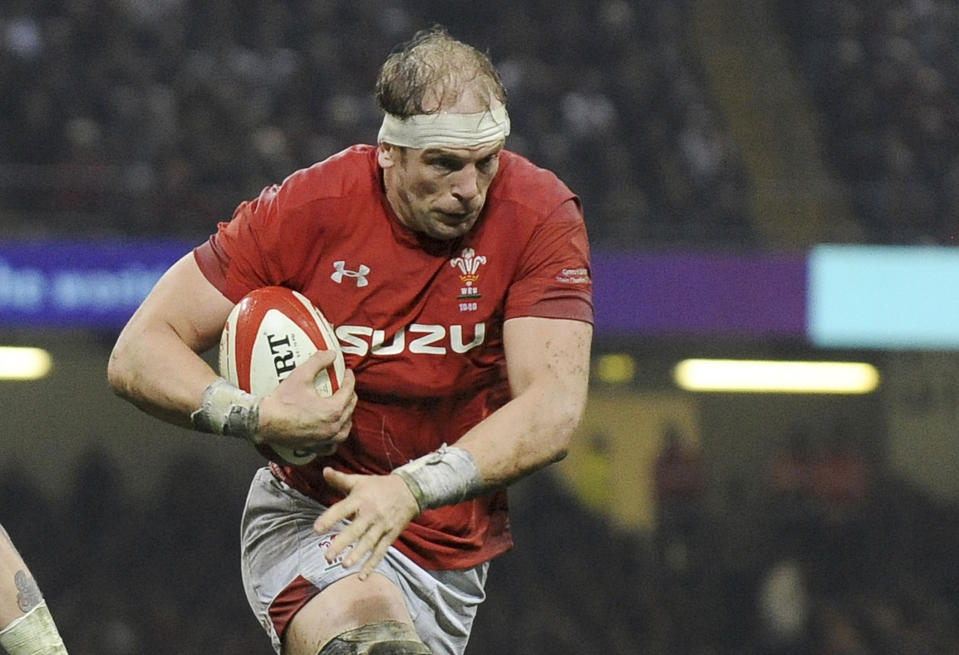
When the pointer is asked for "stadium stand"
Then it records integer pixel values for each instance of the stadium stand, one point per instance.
(139, 117)
(885, 76)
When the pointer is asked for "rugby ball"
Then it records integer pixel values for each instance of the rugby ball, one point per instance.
(271, 331)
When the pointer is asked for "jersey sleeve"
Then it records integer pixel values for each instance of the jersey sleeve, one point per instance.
(239, 257)
(553, 280)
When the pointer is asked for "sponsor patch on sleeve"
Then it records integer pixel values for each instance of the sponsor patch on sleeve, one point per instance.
(574, 276)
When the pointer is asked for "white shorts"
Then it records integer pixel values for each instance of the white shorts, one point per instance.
(284, 566)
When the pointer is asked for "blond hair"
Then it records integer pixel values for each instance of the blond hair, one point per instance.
(431, 71)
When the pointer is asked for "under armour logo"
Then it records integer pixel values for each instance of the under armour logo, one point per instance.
(360, 275)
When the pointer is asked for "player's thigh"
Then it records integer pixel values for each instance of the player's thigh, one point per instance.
(346, 604)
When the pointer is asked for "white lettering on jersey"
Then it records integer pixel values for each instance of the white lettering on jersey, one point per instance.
(394, 348)
(424, 344)
(456, 337)
(425, 340)
(351, 338)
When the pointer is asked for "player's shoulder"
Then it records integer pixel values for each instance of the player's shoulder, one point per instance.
(352, 172)
(524, 183)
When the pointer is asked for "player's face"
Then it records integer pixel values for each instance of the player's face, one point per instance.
(439, 191)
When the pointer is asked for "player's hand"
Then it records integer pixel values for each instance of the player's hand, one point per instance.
(297, 416)
(379, 508)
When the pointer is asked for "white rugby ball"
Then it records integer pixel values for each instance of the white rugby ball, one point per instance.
(271, 331)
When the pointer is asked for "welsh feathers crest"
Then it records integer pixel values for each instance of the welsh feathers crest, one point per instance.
(468, 262)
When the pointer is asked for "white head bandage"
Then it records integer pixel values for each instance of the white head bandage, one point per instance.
(443, 129)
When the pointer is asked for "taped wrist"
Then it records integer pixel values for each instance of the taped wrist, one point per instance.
(228, 410)
(34, 633)
(446, 476)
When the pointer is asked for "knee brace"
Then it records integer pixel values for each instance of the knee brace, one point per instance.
(380, 638)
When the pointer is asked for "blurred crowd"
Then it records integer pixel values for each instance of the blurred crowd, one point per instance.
(885, 77)
(834, 556)
(831, 553)
(156, 117)
(146, 117)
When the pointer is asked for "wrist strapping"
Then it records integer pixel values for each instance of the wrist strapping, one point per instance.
(446, 476)
(34, 633)
(228, 410)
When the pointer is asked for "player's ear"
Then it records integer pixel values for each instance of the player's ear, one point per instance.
(386, 154)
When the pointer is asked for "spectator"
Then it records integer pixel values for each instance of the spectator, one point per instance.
(680, 487)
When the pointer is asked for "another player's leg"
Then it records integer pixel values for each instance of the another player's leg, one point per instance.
(26, 625)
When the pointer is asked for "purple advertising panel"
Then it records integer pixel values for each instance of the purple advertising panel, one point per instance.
(700, 294)
(99, 284)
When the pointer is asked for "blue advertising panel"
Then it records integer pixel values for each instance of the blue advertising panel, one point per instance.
(892, 297)
(79, 284)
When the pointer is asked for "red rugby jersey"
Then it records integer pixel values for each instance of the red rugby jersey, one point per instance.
(420, 321)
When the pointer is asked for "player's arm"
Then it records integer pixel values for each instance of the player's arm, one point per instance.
(156, 364)
(548, 365)
(26, 625)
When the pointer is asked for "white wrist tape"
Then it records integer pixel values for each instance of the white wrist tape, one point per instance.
(444, 477)
(228, 410)
(34, 633)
